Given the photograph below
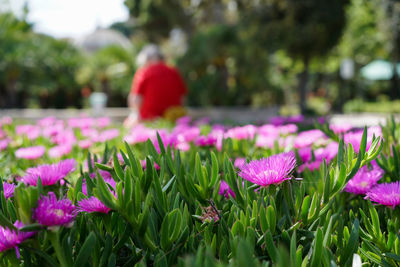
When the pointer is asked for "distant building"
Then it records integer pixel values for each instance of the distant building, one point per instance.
(101, 38)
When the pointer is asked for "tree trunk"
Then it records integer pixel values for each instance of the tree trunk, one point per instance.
(394, 83)
(303, 80)
(11, 94)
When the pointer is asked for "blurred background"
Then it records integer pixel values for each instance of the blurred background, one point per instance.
(304, 56)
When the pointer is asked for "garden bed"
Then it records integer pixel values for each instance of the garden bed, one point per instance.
(85, 192)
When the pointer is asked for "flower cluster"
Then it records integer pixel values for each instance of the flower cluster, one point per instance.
(49, 174)
(267, 171)
(12, 238)
(53, 212)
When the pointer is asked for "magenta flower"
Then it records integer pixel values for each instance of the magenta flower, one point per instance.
(272, 170)
(11, 239)
(139, 134)
(305, 154)
(387, 194)
(364, 180)
(312, 165)
(47, 121)
(103, 122)
(108, 135)
(49, 174)
(184, 120)
(33, 152)
(308, 138)
(287, 129)
(60, 150)
(225, 190)
(53, 212)
(84, 144)
(31, 131)
(239, 162)
(8, 190)
(278, 120)
(244, 132)
(4, 144)
(206, 140)
(295, 119)
(6, 120)
(341, 128)
(92, 204)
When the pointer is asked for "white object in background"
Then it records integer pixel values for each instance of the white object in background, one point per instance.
(98, 102)
(356, 261)
(347, 69)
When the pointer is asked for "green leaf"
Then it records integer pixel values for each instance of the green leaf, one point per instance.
(271, 248)
(85, 250)
(271, 218)
(352, 244)
(6, 222)
(103, 167)
(117, 167)
(31, 227)
(293, 256)
(214, 169)
(106, 251)
(317, 249)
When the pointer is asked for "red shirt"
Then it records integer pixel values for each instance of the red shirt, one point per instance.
(160, 86)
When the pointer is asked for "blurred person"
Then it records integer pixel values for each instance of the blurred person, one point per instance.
(156, 88)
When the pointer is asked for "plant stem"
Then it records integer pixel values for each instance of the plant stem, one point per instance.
(55, 241)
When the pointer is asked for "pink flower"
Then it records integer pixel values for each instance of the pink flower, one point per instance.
(60, 150)
(4, 144)
(225, 190)
(244, 132)
(84, 144)
(8, 190)
(364, 180)
(53, 212)
(340, 128)
(33, 152)
(5, 120)
(49, 174)
(239, 162)
(108, 135)
(307, 138)
(312, 166)
(31, 131)
(305, 154)
(206, 140)
(184, 120)
(387, 194)
(92, 204)
(295, 119)
(47, 121)
(272, 170)
(103, 122)
(12, 238)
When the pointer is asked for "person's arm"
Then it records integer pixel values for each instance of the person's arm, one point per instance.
(134, 102)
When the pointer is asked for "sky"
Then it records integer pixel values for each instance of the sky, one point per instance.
(71, 18)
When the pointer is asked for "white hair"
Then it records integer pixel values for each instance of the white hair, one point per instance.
(149, 53)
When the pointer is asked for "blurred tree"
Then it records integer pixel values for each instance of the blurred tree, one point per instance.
(36, 65)
(109, 70)
(306, 29)
(156, 18)
(392, 8)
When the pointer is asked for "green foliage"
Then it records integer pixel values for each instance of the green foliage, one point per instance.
(52, 84)
(175, 216)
